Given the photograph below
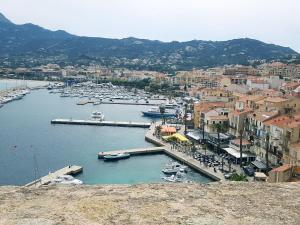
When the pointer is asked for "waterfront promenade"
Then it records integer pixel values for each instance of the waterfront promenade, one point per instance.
(167, 149)
(180, 156)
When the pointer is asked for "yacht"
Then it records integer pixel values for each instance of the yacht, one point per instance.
(66, 179)
(155, 112)
(174, 168)
(116, 157)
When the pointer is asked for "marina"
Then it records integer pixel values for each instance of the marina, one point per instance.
(57, 146)
(45, 180)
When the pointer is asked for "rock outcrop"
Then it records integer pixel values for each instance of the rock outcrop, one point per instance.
(216, 203)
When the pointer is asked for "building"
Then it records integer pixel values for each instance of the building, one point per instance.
(202, 107)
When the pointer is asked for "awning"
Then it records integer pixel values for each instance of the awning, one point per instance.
(236, 154)
(260, 165)
(180, 137)
(195, 136)
(177, 136)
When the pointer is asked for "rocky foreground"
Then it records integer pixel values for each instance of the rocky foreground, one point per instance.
(226, 203)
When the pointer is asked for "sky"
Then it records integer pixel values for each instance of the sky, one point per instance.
(271, 21)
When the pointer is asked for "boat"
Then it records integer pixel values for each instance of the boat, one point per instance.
(170, 171)
(98, 115)
(115, 157)
(66, 179)
(170, 105)
(173, 179)
(174, 168)
(155, 112)
(98, 102)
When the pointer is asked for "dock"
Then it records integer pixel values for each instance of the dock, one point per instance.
(137, 151)
(101, 123)
(69, 170)
(83, 102)
(130, 103)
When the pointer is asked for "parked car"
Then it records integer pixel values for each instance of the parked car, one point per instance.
(249, 170)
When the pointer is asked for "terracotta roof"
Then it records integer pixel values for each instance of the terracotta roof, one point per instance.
(207, 106)
(166, 129)
(285, 121)
(291, 85)
(238, 112)
(282, 168)
(251, 98)
(276, 99)
(262, 116)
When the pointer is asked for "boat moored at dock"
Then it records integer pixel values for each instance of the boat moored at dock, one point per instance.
(116, 157)
(155, 112)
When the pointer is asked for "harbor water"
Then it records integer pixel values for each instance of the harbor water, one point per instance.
(31, 147)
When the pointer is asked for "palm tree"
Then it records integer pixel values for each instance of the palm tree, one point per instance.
(162, 111)
(220, 128)
(158, 130)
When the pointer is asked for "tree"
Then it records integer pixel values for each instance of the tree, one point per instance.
(162, 111)
(220, 128)
(238, 177)
(158, 129)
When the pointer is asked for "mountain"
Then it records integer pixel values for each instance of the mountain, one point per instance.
(29, 45)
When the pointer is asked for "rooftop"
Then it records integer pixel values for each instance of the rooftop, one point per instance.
(284, 121)
(282, 168)
(276, 99)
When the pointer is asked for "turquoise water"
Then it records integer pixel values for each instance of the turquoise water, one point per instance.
(28, 141)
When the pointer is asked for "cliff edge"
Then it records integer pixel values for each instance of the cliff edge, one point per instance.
(217, 203)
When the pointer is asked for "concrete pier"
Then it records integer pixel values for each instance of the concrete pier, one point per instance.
(69, 170)
(129, 103)
(137, 151)
(83, 102)
(101, 123)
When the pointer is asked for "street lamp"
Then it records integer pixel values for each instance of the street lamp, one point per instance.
(185, 117)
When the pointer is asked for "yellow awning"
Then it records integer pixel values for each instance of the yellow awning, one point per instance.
(180, 137)
(177, 136)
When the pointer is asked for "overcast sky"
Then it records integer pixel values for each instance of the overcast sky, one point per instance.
(272, 21)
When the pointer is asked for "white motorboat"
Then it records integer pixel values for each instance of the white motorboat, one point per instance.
(66, 179)
(98, 115)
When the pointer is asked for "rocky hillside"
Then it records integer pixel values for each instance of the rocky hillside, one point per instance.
(226, 203)
(31, 45)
